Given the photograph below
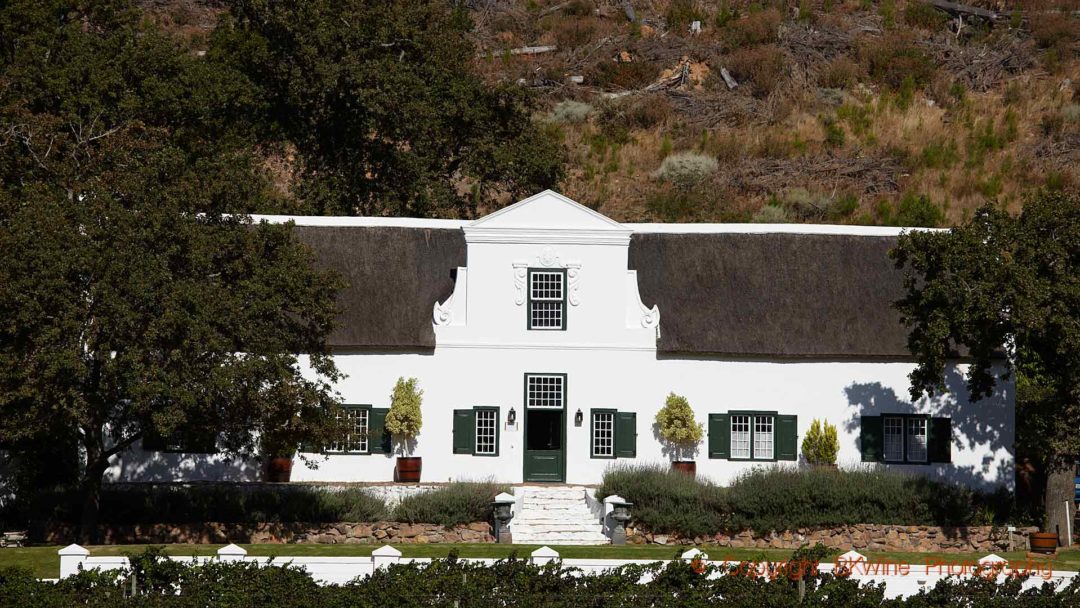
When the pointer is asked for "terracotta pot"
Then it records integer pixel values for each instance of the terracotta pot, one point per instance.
(279, 469)
(407, 469)
(685, 466)
(1043, 542)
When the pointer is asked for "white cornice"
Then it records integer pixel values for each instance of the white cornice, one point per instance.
(555, 236)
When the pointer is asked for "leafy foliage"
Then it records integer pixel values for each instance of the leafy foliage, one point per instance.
(404, 418)
(666, 500)
(676, 423)
(821, 445)
(382, 105)
(510, 582)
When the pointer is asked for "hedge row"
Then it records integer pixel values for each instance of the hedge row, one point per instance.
(167, 584)
(452, 504)
(778, 498)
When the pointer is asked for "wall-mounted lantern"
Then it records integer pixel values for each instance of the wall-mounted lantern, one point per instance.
(511, 417)
(579, 418)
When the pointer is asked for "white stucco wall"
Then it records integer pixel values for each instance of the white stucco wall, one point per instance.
(608, 352)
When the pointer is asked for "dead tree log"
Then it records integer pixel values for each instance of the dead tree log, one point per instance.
(728, 79)
(963, 9)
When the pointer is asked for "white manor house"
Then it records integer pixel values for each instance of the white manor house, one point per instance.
(546, 336)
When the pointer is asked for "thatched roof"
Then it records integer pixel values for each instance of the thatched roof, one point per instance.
(786, 295)
(395, 275)
(757, 295)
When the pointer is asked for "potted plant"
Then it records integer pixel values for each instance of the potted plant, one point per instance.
(278, 454)
(821, 445)
(676, 424)
(403, 421)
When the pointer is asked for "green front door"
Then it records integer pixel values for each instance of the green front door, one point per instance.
(545, 445)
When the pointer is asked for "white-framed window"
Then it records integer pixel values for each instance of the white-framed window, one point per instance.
(894, 438)
(763, 437)
(603, 434)
(487, 432)
(545, 390)
(547, 299)
(355, 438)
(916, 439)
(740, 436)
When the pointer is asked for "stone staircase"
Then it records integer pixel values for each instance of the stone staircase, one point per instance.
(556, 515)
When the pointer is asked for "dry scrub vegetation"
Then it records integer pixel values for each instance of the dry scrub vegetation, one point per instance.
(856, 111)
(845, 111)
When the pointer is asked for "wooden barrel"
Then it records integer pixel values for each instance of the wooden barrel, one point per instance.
(1043, 542)
(685, 466)
(279, 469)
(408, 469)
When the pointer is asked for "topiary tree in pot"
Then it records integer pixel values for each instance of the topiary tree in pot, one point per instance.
(678, 428)
(403, 421)
(821, 445)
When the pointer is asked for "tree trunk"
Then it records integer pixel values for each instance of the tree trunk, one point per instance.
(1059, 496)
(96, 463)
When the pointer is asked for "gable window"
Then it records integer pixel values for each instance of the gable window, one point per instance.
(547, 299)
(355, 438)
(765, 436)
(612, 434)
(905, 438)
(545, 390)
(476, 431)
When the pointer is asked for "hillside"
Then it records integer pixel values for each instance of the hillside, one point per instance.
(887, 112)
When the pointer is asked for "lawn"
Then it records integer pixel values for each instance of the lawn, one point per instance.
(45, 562)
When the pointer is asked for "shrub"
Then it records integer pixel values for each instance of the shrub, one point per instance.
(676, 424)
(623, 74)
(681, 12)
(667, 501)
(618, 117)
(771, 214)
(405, 418)
(924, 15)
(918, 210)
(672, 205)
(570, 111)
(756, 28)
(894, 57)
(761, 65)
(686, 169)
(834, 133)
(840, 73)
(820, 446)
(456, 503)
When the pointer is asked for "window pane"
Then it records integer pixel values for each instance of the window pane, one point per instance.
(763, 437)
(894, 438)
(485, 431)
(355, 438)
(603, 442)
(740, 436)
(546, 300)
(544, 391)
(916, 439)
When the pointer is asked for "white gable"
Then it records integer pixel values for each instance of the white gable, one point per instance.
(547, 217)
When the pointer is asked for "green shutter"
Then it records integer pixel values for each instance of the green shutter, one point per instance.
(787, 437)
(872, 439)
(625, 435)
(719, 436)
(464, 431)
(939, 442)
(379, 441)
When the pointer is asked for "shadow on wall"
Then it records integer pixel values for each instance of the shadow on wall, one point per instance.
(673, 452)
(983, 429)
(136, 464)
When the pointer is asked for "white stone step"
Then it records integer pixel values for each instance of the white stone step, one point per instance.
(556, 516)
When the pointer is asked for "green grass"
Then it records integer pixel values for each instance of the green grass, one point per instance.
(45, 562)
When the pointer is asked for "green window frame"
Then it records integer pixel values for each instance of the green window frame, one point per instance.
(873, 438)
(545, 305)
(614, 432)
(782, 436)
(471, 427)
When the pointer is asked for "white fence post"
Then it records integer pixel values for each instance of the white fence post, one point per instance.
(385, 556)
(231, 553)
(695, 553)
(544, 555)
(71, 558)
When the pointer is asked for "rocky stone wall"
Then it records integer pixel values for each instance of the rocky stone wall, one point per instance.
(388, 532)
(869, 537)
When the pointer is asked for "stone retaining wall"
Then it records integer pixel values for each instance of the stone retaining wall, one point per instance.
(330, 534)
(870, 537)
